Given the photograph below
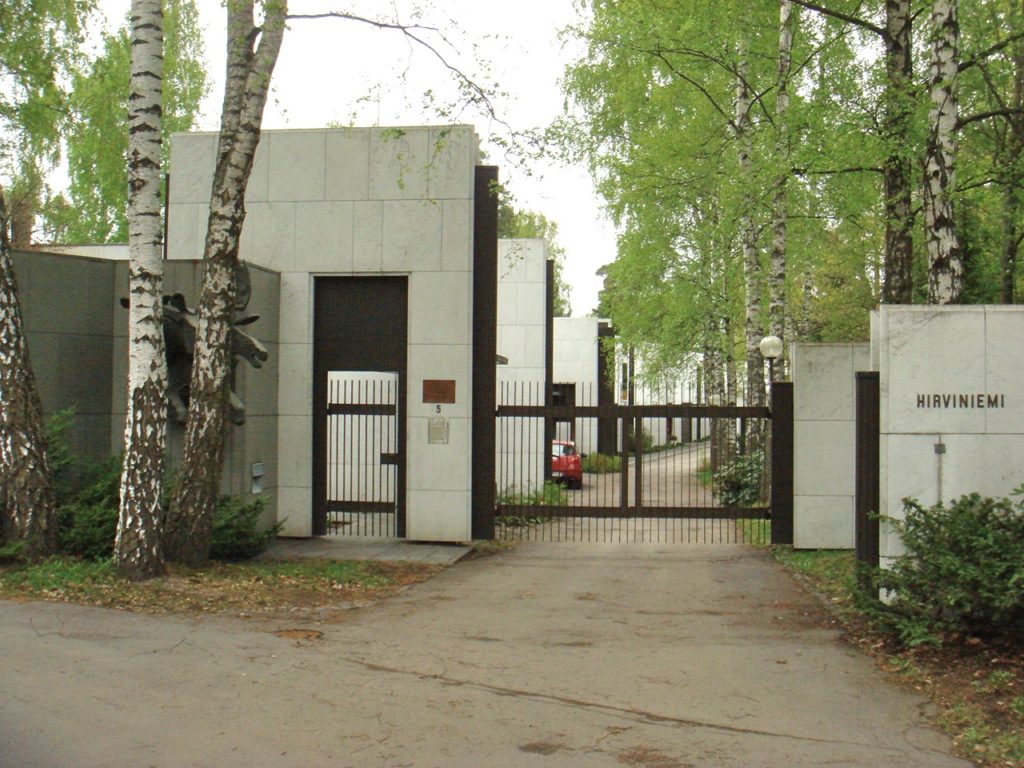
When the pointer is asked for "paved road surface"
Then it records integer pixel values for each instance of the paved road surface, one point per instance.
(549, 655)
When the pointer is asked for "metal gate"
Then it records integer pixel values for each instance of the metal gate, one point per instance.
(681, 473)
(362, 453)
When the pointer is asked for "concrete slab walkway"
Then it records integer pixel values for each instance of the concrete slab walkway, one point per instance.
(548, 655)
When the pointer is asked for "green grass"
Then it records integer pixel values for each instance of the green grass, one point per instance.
(831, 571)
(551, 495)
(60, 573)
(99, 582)
(757, 533)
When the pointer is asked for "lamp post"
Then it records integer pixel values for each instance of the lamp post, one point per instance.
(771, 348)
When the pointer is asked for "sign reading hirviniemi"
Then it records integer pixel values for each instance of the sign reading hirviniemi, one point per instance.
(962, 400)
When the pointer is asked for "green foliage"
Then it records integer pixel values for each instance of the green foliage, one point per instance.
(738, 481)
(39, 45)
(58, 452)
(599, 463)
(13, 552)
(515, 223)
(552, 494)
(88, 519)
(94, 210)
(237, 534)
(963, 571)
(652, 112)
(58, 573)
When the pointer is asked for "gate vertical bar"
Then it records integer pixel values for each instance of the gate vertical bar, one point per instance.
(485, 342)
(868, 427)
(624, 466)
(782, 462)
(638, 466)
(549, 359)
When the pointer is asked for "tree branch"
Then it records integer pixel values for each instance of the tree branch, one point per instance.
(413, 32)
(1006, 112)
(982, 55)
(833, 171)
(849, 19)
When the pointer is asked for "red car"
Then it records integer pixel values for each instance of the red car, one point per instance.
(566, 464)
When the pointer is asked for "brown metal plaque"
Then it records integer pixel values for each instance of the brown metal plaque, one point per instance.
(438, 390)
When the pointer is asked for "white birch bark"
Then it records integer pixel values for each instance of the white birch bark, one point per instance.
(138, 548)
(755, 394)
(251, 56)
(780, 213)
(26, 488)
(945, 259)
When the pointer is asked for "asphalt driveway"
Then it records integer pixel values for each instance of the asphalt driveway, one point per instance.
(552, 654)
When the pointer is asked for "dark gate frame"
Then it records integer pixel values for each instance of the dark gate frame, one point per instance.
(779, 511)
(358, 351)
(866, 501)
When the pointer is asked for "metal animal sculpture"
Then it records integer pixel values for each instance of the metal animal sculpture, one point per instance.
(180, 322)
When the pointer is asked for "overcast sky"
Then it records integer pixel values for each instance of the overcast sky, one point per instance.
(333, 71)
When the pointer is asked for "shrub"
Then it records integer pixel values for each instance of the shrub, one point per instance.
(963, 571)
(646, 441)
(236, 529)
(550, 495)
(600, 463)
(738, 481)
(58, 453)
(87, 523)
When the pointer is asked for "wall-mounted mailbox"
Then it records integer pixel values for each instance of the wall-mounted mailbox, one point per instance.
(437, 431)
(257, 477)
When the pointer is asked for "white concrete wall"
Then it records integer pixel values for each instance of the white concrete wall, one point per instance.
(575, 358)
(370, 201)
(522, 328)
(967, 351)
(575, 362)
(521, 309)
(824, 462)
(106, 251)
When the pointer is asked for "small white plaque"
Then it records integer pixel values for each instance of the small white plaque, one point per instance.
(437, 431)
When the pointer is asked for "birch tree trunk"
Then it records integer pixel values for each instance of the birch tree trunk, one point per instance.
(138, 547)
(748, 236)
(251, 55)
(26, 485)
(780, 213)
(1011, 234)
(897, 287)
(945, 259)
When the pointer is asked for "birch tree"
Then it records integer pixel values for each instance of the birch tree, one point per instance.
(945, 261)
(138, 547)
(38, 44)
(26, 485)
(252, 51)
(783, 156)
(753, 283)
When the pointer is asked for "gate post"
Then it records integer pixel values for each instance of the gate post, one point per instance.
(782, 462)
(485, 341)
(866, 502)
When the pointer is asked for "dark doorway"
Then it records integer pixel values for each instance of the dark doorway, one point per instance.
(359, 324)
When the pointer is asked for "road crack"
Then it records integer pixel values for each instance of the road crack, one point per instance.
(631, 713)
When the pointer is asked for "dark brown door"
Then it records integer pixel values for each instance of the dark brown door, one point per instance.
(359, 324)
